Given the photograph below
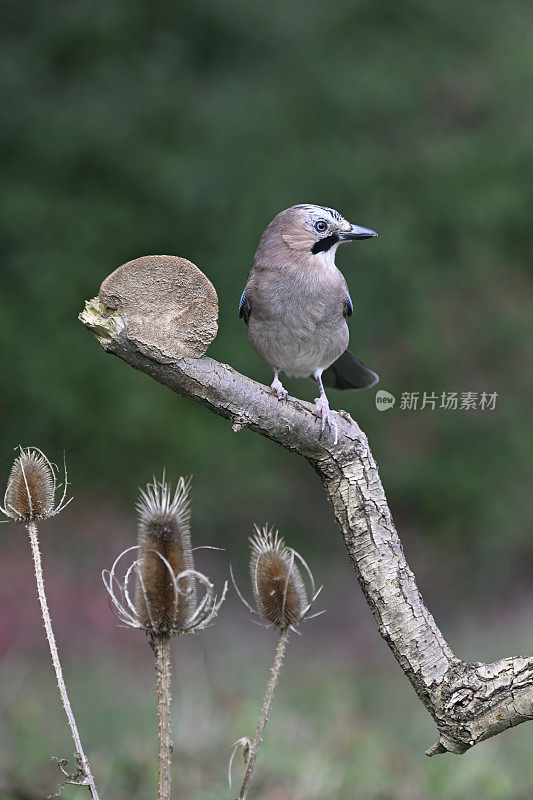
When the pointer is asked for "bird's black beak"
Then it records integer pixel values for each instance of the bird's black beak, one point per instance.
(356, 232)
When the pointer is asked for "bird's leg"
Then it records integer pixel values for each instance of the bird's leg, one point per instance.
(322, 407)
(277, 387)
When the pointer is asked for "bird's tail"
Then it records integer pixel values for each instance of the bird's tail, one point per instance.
(347, 372)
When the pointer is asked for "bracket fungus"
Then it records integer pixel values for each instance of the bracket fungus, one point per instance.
(169, 307)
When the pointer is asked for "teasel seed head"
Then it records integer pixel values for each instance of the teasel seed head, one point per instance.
(32, 486)
(165, 600)
(165, 552)
(280, 593)
(277, 585)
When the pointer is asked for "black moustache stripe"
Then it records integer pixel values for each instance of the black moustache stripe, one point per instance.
(325, 243)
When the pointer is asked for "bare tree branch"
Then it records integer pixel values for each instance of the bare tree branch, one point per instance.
(468, 701)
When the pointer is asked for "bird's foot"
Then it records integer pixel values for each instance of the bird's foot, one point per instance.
(324, 412)
(278, 390)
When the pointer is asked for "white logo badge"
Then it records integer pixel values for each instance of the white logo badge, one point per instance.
(384, 400)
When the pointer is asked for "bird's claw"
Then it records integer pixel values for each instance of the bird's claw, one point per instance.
(324, 412)
(278, 389)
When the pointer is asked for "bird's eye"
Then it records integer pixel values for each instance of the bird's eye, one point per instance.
(321, 225)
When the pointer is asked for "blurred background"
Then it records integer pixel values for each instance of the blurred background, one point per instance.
(138, 128)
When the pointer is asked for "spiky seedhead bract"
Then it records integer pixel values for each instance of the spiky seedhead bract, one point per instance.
(165, 548)
(31, 487)
(280, 594)
(165, 599)
(277, 584)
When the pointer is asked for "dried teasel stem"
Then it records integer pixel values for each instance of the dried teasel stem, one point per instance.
(281, 602)
(83, 766)
(161, 646)
(165, 600)
(265, 708)
(30, 496)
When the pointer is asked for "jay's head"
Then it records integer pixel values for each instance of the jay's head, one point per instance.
(310, 229)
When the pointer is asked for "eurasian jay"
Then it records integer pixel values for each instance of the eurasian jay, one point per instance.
(296, 301)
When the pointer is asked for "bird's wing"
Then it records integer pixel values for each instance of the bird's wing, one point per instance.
(348, 307)
(347, 372)
(244, 307)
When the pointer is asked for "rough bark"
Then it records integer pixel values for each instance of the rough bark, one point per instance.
(468, 701)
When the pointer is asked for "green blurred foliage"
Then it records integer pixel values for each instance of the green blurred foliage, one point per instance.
(136, 128)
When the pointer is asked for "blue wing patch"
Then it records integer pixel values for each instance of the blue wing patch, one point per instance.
(244, 307)
(349, 306)
(242, 301)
